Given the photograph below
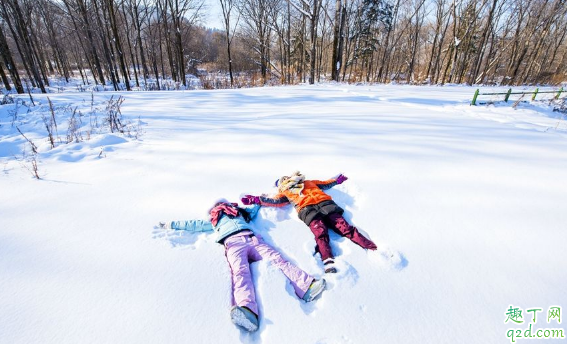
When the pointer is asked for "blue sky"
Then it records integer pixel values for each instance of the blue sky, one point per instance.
(213, 14)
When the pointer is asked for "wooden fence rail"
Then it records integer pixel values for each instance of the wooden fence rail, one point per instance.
(507, 94)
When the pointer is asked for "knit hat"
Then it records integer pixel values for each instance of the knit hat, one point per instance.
(217, 202)
(293, 183)
(280, 180)
(220, 208)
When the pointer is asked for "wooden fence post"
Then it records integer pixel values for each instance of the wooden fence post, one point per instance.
(535, 93)
(508, 95)
(475, 96)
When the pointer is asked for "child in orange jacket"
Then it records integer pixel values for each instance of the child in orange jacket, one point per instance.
(316, 209)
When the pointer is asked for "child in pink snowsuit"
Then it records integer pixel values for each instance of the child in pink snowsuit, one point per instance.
(242, 247)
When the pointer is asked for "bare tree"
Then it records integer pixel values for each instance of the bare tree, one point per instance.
(111, 13)
(13, 14)
(227, 6)
(441, 26)
(338, 39)
(183, 14)
(9, 63)
(134, 8)
(84, 26)
(255, 16)
(50, 14)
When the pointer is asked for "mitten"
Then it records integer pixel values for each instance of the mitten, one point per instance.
(249, 199)
(341, 178)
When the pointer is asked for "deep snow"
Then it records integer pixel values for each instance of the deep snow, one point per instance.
(473, 199)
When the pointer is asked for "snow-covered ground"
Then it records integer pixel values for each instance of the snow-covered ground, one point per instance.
(473, 199)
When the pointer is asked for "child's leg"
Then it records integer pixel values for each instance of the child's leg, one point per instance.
(300, 280)
(242, 285)
(321, 233)
(338, 222)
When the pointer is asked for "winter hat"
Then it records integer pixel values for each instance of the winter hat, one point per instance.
(293, 183)
(280, 180)
(294, 175)
(218, 202)
(220, 208)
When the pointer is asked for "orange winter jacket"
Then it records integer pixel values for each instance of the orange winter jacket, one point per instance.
(311, 194)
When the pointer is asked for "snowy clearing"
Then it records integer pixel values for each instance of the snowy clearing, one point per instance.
(472, 198)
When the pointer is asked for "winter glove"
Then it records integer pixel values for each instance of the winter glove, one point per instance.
(249, 199)
(341, 178)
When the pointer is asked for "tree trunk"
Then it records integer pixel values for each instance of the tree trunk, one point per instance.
(135, 65)
(335, 59)
(5, 78)
(114, 27)
(88, 30)
(482, 44)
(60, 53)
(19, 28)
(314, 20)
(9, 62)
(226, 6)
(414, 43)
(138, 27)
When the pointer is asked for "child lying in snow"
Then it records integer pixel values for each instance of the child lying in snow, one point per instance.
(242, 247)
(316, 209)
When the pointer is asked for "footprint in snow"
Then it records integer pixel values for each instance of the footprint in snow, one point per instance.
(387, 258)
(346, 275)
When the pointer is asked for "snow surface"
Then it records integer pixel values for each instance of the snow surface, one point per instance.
(471, 199)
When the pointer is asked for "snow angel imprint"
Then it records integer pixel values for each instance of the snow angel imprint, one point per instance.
(242, 247)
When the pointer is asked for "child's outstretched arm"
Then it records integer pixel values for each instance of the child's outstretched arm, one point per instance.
(278, 200)
(327, 184)
(192, 225)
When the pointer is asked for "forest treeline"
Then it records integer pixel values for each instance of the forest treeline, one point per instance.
(142, 43)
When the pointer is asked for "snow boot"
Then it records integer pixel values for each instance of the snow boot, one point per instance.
(329, 266)
(244, 318)
(315, 289)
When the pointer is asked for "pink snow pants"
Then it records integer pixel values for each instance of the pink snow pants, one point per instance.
(242, 250)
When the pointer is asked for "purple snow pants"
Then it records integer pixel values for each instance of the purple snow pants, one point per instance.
(240, 251)
(320, 226)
